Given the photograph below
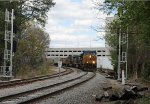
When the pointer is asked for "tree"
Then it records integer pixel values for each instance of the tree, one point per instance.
(134, 15)
(24, 11)
(31, 49)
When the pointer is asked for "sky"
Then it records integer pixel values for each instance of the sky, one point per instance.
(70, 24)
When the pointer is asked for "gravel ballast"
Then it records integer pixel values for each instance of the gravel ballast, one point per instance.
(82, 94)
(38, 84)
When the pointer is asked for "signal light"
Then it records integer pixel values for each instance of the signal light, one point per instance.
(14, 46)
(15, 28)
(93, 62)
(90, 56)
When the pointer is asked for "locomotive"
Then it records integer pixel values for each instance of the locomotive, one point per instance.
(85, 61)
(89, 61)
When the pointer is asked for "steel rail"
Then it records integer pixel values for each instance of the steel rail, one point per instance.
(34, 79)
(31, 101)
(31, 92)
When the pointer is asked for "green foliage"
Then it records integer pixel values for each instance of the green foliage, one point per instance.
(24, 11)
(146, 72)
(111, 38)
(36, 9)
(136, 16)
(144, 100)
(31, 49)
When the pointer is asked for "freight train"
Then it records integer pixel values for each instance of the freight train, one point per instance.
(86, 61)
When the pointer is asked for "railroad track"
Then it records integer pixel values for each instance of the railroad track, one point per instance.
(34, 79)
(31, 96)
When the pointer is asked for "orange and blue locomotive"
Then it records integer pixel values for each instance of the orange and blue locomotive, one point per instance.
(89, 60)
(86, 61)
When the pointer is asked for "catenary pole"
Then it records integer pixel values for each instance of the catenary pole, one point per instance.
(118, 71)
(127, 55)
(12, 36)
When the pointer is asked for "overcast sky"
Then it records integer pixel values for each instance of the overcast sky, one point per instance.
(70, 24)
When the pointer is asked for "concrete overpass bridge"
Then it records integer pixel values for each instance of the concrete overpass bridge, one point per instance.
(102, 54)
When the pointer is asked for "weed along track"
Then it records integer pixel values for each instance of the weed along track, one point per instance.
(31, 96)
(34, 79)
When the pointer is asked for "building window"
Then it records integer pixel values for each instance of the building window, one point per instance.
(99, 51)
(65, 51)
(61, 55)
(65, 55)
(61, 51)
(70, 51)
(103, 55)
(57, 51)
(74, 51)
(103, 50)
(98, 55)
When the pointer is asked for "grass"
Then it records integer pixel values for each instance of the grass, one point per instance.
(144, 100)
(28, 72)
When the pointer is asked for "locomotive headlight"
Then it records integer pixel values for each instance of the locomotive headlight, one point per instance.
(93, 62)
(87, 62)
(90, 56)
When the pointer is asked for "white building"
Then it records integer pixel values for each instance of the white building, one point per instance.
(102, 54)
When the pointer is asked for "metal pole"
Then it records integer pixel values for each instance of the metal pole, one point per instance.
(7, 34)
(11, 50)
(59, 71)
(90, 43)
(127, 56)
(123, 78)
(6, 25)
(118, 71)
